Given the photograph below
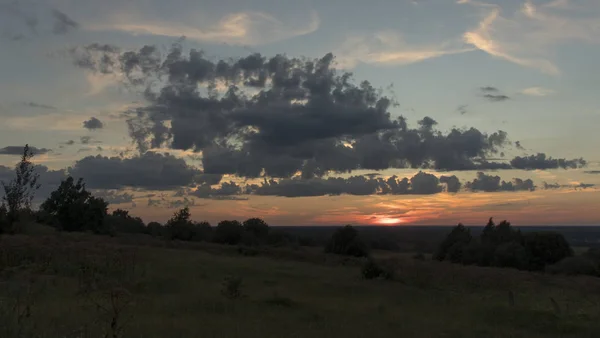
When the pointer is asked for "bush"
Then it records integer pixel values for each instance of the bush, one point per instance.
(155, 229)
(229, 232)
(511, 254)
(546, 248)
(122, 222)
(257, 227)
(578, 265)
(345, 241)
(372, 270)
(232, 287)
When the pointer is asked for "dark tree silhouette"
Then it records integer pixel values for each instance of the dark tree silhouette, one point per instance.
(20, 191)
(229, 232)
(453, 246)
(75, 209)
(346, 241)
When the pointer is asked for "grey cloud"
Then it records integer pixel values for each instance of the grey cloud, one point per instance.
(88, 140)
(496, 98)
(70, 142)
(550, 186)
(38, 105)
(541, 161)
(462, 109)
(453, 184)
(18, 150)
(489, 183)
(93, 124)
(519, 146)
(489, 89)
(592, 172)
(63, 23)
(113, 196)
(226, 189)
(279, 116)
(153, 171)
(493, 94)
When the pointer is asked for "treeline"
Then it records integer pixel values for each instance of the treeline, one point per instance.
(504, 246)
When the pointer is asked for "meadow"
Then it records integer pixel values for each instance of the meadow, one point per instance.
(82, 285)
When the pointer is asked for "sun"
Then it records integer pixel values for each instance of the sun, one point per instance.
(389, 221)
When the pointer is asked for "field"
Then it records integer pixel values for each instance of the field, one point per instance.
(78, 285)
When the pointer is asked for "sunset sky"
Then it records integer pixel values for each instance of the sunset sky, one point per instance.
(243, 109)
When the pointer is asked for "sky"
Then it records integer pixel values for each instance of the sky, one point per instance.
(386, 112)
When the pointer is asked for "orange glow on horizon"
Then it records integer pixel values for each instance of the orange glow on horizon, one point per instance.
(390, 221)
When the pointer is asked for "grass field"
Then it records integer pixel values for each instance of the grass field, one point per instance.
(176, 291)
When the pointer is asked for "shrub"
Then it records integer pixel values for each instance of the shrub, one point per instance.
(155, 229)
(121, 221)
(511, 254)
(578, 265)
(345, 241)
(257, 227)
(546, 248)
(372, 270)
(232, 287)
(228, 232)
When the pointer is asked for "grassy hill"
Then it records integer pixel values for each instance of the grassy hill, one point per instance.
(77, 285)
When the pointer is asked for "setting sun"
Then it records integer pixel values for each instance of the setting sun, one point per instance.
(390, 221)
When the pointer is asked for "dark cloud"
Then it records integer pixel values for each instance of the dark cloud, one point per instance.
(93, 124)
(496, 98)
(519, 146)
(113, 196)
(541, 161)
(70, 142)
(18, 150)
(226, 189)
(279, 116)
(493, 94)
(452, 183)
(592, 172)
(62, 22)
(549, 186)
(489, 89)
(489, 183)
(151, 171)
(38, 105)
(88, 140)
(462, 109)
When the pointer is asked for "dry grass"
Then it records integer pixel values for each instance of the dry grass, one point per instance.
(167, 289)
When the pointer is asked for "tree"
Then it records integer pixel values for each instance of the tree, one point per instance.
(229, 232)
(75, 209)
(121, 221)
(546, 248)
(180, 225)
(20, 191)
(257, 227)
(346, 241)
(454, 245)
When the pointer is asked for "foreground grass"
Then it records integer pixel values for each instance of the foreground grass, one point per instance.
(177, 292)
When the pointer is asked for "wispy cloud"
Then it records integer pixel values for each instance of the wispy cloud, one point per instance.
(389, 48)
(243, 28)
(528, 36)
(537, 91)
